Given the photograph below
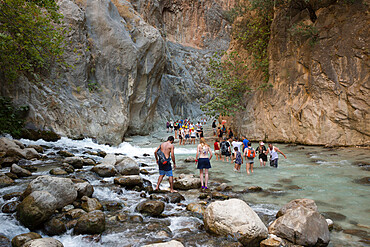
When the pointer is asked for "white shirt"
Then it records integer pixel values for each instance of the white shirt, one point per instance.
(236, 144)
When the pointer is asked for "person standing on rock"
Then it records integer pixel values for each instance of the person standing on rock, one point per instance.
(274, 155)
(205, 154)
(262, 153)
(163, 159)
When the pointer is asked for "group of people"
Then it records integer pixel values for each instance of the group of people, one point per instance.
(224, 149)
(186, 131)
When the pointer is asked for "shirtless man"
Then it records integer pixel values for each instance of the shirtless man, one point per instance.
(165, 167)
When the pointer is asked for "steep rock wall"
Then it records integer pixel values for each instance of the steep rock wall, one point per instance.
(118, 60)
(320, 92)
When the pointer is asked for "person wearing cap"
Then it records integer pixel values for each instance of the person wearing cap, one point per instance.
(262, 153)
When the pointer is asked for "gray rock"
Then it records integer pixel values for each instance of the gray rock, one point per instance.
(90, 204)
(75, 213)
(128, 166)
(90, 223)
(38, 148)
(308, 203)
(5, 180)
(76, 162)
(43, 242)
(65, 153)
(84, 189)
(88, 162)
(186, 182)
(21, 239)
(129, 181)
(105, 170)
(150, 207)
(58, 171)
(54, 226)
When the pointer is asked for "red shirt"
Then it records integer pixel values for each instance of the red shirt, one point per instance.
(216, 145)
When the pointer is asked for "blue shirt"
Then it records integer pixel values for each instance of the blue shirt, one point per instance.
(245, 142)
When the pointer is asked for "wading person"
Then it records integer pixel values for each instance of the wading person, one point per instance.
(163, 155)
(274, 157)
(214, 126)
(238, 159)
(216, 146)
(225, 150)
(249, 153)
(204, 154)
(262, 154)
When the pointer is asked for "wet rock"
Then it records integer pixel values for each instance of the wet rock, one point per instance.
(363, 181)
(196, 207)
(67, 208)
(112, 205)
(36, 208)
(357, 233)
(308, 203)
(19, 144)
(136, 218)
(105, 170)
(65, 153)
(109, 159)
(62, 189)
(84, 189)
(10, 207)
(28, 167)
(54, 226)
(219, 196)
(175, 197)
(43, 242)
(58, 171)
(293, 187)
(4, 241)
(223, 187)
(172, 243)
(121, 217)
(90, 223)
(144, 171)
(330, 224)
(150, 207)
(102, 153)
(190, 159)
(27, 153)
(236, 218)
(253, 189)
(38, 148)
(68, 168)
(12, 195)
(76, 162)
(128, 166)
(75, 213)
(186, 182)
(21, 239)
(129, 181)
(159, 197)
(334, 216)
(20, 172)
(364, 165)
(272, 242)
(8, 161)
(88, 162)
(303, 226)
(90, 204)
(5, 180)
(11, 175)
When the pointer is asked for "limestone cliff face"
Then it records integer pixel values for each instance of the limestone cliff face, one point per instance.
(320, 92)
(118, 60)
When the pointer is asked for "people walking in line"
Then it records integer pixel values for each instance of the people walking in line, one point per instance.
(274, 157)
(262, 153)
(163, 155)
(238, 159)
(216, 146)
(204, 154)
(249, 153)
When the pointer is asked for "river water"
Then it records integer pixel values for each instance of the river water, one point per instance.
(327, 175)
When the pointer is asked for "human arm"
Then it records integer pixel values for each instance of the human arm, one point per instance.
(196, 157)
(278, 150)
(210, 152)
(155, 155)
(173, 156)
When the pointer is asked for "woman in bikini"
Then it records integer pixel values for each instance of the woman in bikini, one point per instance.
(205, 154)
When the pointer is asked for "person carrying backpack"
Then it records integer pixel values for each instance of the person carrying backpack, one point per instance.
(225, 150)
(249, 153)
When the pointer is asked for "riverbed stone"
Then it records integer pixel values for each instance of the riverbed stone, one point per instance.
(190, 159)
(335, 216)
(129, 181)
(5, 180)
(54, 226)
(36, 208)
(76, 162)
(58, 171)
(112, 205)
(175, 197)
(363, 181)
(12, 195)
(151, 207)
(27, 153)
(223, 187)
(219, 196)
(84, 189)
(128, 166)
(38, 148)
(62, 189)
(43, 242)
(105, 170)
(196, 207)
(10, 207)
(75, 213)
(65, 153)
(234, 217)
(91, 223)
(90, 204)
(89, 162)
(253, 189)
(11, 175)
(303, 226)
(308, 203)
(172, 243)
(109, 159)
(68, 168)
(19, 171)
(21, 239)
(272, 242)
(8, 161)
(186, 182)
(330, 224)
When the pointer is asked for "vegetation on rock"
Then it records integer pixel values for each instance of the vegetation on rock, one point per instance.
(11, 117)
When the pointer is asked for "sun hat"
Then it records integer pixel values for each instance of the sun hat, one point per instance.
(261, 143)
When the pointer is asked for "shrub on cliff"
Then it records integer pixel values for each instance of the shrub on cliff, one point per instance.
(11, 117)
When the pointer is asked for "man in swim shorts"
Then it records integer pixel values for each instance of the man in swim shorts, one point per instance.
(165, 168)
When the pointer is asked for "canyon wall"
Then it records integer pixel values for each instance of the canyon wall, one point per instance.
(320, 89)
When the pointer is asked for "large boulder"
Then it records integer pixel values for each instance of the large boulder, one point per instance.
(5, 180)
(234, 217)
(19, 171)
(27, 153)
(186, 182)
(36, 208)
(150, 207)
(62, 189)
(43, 242)
(58, 171)
(105, 170)
(172, 243)
(76, 162)
(129, 181)
(21, 239)
(90, 223)
(128, 166)
(6, 143)
(196, 207)
(308, 203)
(302, 226)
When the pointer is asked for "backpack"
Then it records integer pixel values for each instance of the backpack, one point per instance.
(251, 153)
(224, 148)
(161, 157)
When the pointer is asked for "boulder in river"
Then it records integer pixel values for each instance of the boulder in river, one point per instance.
(90, 204)
(128, 166)
(109, 159)
(308, 203)
(150, 207)
(43, 242)
(91, 223)
(58, 171)
(234, 217)
(83, 188)
(21, 239)
(105, 170)
(5, 180)
(19, 171)
(186, 182)
(65, 153)
(190, 159)
(303, 226)
(172, 243)
(62, 189)
(54, 226)
(196, 207)
(129, 181)
(76, 162)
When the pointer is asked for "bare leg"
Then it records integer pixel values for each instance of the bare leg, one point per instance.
(248, 165)
(171, 185)
(201, 177)
(252, 167)
(261, 162)
(206, 177)
(159, 181)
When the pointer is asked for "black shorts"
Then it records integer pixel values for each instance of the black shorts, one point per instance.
(226, 153)
(263, 157)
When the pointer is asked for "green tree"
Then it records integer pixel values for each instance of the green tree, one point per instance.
(31, 36)
(11, 118)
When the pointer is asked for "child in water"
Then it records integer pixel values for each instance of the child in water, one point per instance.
(238, 159)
